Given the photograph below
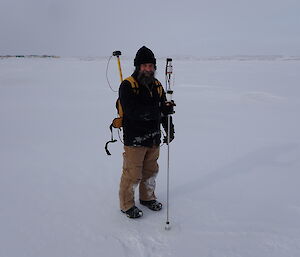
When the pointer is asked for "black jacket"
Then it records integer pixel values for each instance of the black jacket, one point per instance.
(143, 114)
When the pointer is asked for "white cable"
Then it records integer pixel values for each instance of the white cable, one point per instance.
(107, 75)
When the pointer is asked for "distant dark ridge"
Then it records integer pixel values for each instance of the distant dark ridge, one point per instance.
(29, 56)
(176, 57)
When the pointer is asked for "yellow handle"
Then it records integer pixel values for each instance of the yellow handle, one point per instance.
(120, 70)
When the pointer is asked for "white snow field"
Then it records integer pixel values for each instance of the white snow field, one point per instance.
(235, 161)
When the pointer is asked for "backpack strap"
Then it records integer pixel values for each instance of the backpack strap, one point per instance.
(133, 83)
(117, 122)
(159, 88)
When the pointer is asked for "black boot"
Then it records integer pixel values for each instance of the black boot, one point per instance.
(152, 205)
(133, 213)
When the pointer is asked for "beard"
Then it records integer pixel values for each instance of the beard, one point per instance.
(146, 78)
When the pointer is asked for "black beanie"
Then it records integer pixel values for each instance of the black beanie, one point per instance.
(144, 55)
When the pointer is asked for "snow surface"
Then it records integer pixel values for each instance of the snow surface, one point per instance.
(234, 162)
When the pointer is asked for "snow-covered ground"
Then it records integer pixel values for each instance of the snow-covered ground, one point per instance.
(235, 161)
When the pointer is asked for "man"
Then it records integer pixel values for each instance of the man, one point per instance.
(145, 107)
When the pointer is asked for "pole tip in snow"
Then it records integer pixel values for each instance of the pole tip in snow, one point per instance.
(167, 226)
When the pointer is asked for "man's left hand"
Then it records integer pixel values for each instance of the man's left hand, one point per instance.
(168, 108)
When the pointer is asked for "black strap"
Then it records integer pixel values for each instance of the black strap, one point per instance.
(110, 141)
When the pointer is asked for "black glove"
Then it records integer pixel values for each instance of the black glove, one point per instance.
(171, 138)
(172, 132)
(168, 108)
(164, 122)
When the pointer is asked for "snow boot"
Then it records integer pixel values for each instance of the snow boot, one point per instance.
(133, 213)
(152, 205)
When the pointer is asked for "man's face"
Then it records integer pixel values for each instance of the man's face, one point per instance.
(147, 69)
(146, 74)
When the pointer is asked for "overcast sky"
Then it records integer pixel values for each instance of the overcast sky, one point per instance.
(185, 27)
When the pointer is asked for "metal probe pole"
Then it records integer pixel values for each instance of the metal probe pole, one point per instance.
(169, 71)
